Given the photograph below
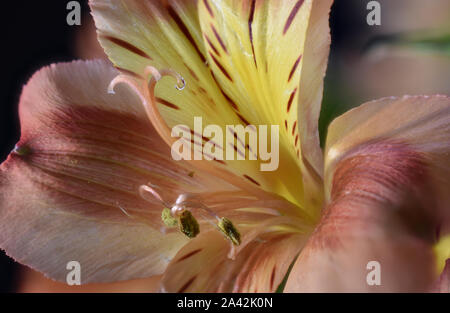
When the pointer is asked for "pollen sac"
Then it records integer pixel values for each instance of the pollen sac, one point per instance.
(228, 229)
(168, 219)
(188, 224)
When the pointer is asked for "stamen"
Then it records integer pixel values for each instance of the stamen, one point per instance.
(228, 229)
(233, 252)
(168, 219)
(180, 215)
(223, 224)
(188, 224)
(182, 198)
(200, 206)
(144, 190)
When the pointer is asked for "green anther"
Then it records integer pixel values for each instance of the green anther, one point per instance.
(228, 229)
(168, 219)
(188, 224)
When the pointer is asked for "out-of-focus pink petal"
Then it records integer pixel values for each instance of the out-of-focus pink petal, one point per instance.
(387, 169)
(33, 282)
(420, 122)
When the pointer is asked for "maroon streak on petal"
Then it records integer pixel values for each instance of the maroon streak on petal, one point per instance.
(250, 30)
(291, 99)
(212, 45)
(173, 14)
(191, 71)
(219, 39)
(208, 7)
(230, 101)
(243, 119)
(292, 15)
(167, 103)
(190, 254)
(272, 276)
(187, 284)
(221, 68)
(128, 46)
(251, 179)
(131, 73)
(294, 68)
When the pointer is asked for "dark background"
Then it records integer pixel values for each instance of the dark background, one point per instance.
(35, 33)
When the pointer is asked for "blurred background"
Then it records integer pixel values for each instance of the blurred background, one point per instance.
(409, 53)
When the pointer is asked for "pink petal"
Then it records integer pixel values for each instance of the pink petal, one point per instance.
(69, 190)
(260, 265)
(387, 174)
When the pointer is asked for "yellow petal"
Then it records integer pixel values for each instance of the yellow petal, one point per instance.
(442, 251)
(256, 51)
(315, 58)
(167, 34)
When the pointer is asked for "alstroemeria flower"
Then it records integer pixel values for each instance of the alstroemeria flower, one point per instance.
(93, 170)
